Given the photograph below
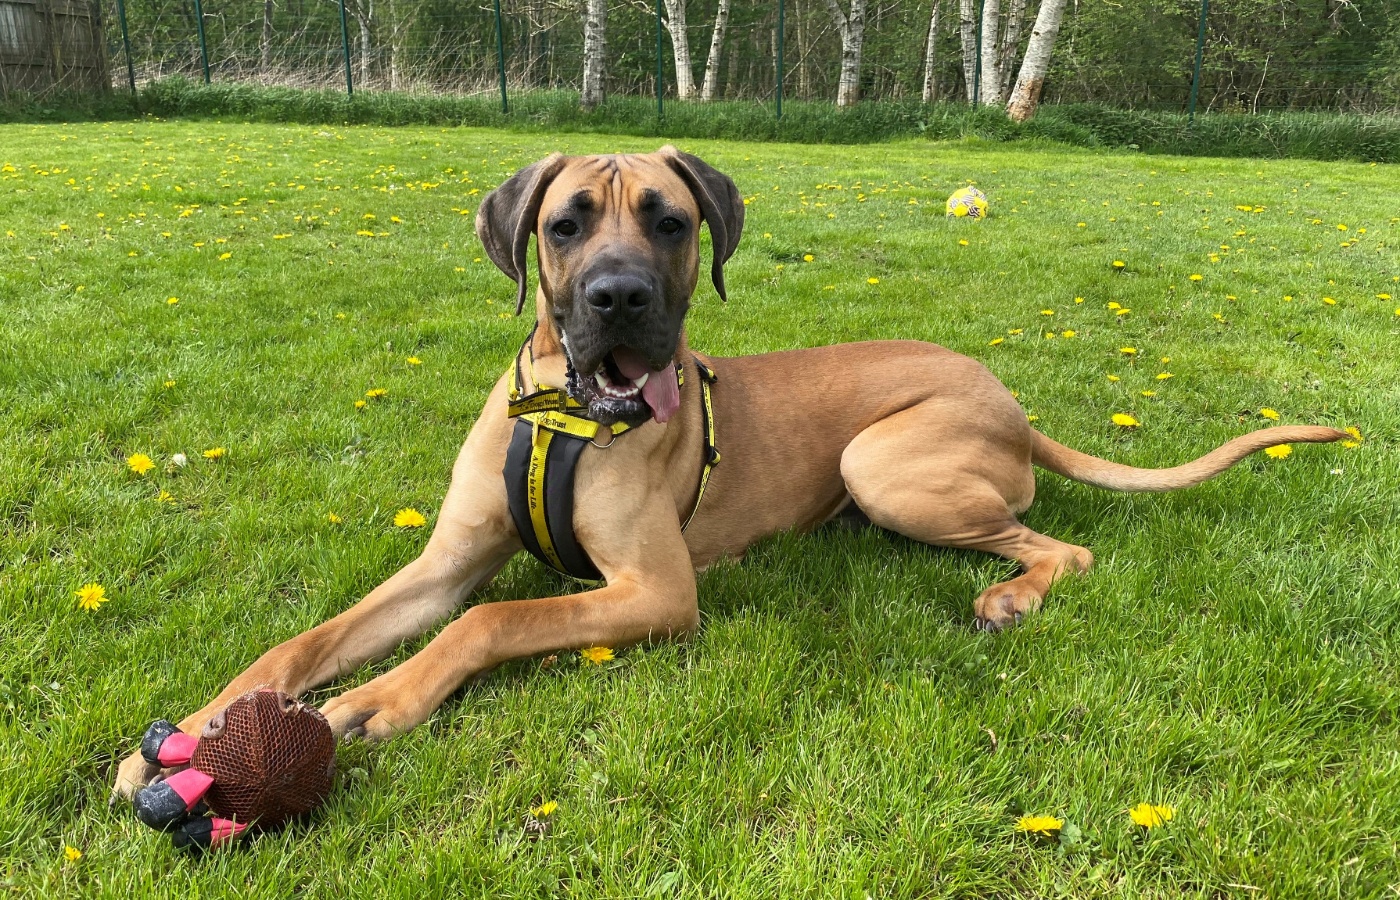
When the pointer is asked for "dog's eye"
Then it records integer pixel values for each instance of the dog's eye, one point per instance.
(669, 225)
(566, 228)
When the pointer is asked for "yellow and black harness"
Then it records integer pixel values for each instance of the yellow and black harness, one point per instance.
(543, 457)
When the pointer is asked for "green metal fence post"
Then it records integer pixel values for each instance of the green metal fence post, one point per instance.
(345, 45)
(500, 57)
(977, 65)
(660, 72)
(1196, 75)
(203, 47)
(780, 58)
(126, 47)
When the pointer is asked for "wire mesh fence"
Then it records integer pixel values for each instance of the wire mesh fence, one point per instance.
(1255, 55)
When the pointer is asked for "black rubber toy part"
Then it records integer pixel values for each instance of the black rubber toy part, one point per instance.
(154, 737)
(160, 807)
(193, 835)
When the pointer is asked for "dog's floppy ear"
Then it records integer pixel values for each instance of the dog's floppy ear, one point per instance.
(507, 216)
(720, 205)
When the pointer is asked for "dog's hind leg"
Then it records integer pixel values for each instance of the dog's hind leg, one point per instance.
(957, 477)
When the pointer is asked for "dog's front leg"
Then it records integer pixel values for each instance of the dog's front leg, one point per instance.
(654, 598)
(473, 539)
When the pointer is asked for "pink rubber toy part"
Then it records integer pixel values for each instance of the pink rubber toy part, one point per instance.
(224, 830)
(177, 749)
(191, 785)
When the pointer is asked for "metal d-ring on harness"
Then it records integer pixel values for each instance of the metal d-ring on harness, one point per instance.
(543, 458)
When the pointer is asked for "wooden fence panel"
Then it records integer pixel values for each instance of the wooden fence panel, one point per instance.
(52, 44)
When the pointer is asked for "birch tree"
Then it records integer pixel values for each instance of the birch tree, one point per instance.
(929, 81)
(710, 86)
(595, 23)
(680, 48)
(967, 27)
(1025, 96)
(1010, 43)
(991, 60)
(852, 30)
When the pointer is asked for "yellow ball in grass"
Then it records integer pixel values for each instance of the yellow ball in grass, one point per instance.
(967, 203)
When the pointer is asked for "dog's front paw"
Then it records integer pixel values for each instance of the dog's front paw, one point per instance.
(1003, 605)
(133, 774)
(361, 713)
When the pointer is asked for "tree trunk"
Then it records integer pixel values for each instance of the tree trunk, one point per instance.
(680, 46)
(711, 84)
(595, 23)
(394, 37)
(265, 54)
(363, 15)
(967, 28)
(1025, 97)
(852, 29)
(1015, 22)
(930, 81)
(991, 68)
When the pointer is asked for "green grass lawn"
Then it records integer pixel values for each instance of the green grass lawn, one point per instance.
(837, 728)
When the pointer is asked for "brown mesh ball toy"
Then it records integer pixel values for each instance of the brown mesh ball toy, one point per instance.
(265, 759)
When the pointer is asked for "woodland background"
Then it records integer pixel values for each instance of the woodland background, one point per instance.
(1258, 54)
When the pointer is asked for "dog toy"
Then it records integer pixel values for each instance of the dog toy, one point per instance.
(265, 759)
(967, 203)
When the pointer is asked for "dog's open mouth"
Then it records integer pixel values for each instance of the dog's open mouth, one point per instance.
(625, 388)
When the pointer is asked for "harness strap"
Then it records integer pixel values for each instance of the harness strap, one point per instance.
(542, 460)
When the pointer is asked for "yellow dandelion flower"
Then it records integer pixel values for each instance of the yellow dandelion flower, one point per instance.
(333, 518)
(994, 341)
(596, 655)
(1045, 826)
(1127, 351)
(72, 854)
(1015, 330)
(962, 243)
(139, 463)
(90, 596)
(1278, 451)
(1123, 420)
(171, 301)
(1148, 393)
(376, 393)
(409, 517)
(872, 281)
(1078, 299)
(1271, 414)
(359, 404)
(1114, 304)
(414, 361)
(170, 383)
(1329, 301)
(807, 257)
(165, 497)
(1069, 333)
(1119, 264)
(1356, 438)
(1195, 277)
(1382, 296)
(225, 256)
(1166, 359)
(215, 453)
(1122, 312)
(1114, 378)
(1149, 816)
(544, 810)
(1163, 376)
(1047, 312)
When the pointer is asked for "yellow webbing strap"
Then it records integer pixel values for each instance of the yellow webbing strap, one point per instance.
(534, 498)
(707, 378)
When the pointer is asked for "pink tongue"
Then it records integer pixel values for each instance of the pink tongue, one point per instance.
(661, 392)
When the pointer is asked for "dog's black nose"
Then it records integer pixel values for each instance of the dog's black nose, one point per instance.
(622, 298)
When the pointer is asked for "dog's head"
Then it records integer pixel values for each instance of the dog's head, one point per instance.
(618, 239)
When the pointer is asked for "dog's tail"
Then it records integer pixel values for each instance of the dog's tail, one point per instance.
(1088, 469)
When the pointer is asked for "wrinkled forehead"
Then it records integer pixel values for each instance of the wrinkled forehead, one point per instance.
(636, 183)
